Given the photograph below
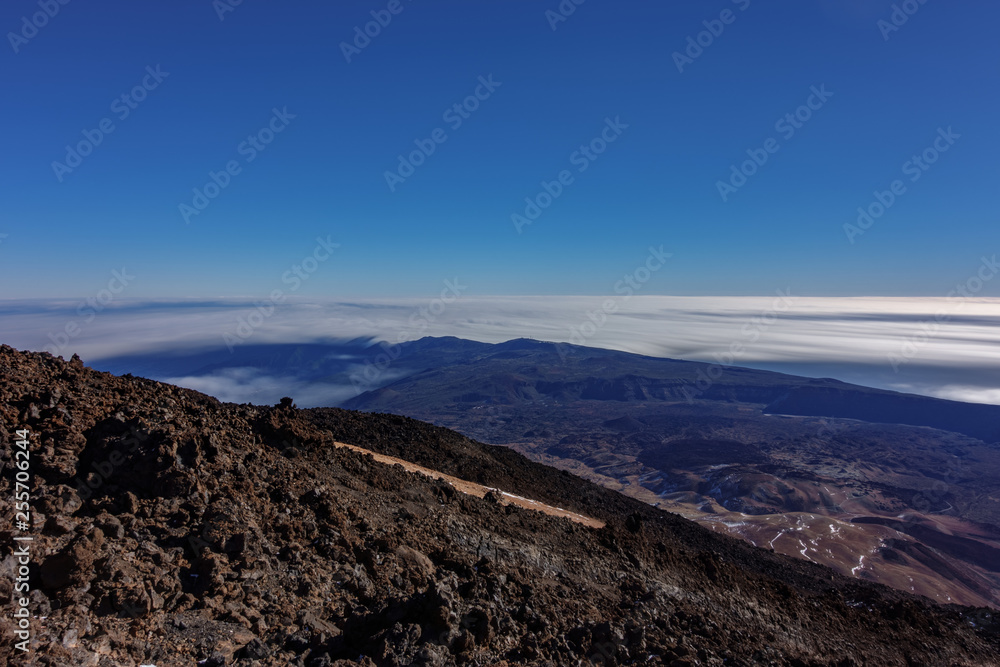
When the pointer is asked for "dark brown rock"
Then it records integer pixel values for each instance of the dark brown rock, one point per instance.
(207, 542)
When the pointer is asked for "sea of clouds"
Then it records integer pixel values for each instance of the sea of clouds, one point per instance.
(949, 348)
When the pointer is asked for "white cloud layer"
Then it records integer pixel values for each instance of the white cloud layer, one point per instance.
(930, 346)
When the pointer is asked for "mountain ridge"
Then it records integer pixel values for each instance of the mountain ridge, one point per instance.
(977, 420)
(818, 464)
(240, 534)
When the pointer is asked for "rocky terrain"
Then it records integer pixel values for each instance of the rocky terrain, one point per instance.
(809, 467)
(171, 529)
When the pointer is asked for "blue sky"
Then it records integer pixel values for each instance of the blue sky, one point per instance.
(323, 175)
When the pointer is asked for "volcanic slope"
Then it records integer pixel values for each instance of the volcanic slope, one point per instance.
(908, 504)
(169, 528)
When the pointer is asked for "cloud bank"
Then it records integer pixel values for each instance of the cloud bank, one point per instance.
(948, 348)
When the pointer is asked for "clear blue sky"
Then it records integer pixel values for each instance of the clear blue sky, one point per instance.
(324, 173)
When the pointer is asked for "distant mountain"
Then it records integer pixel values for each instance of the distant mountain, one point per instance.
(171, 529)
(899, 488)
(783, 461)
(569, 372)
(362, 366)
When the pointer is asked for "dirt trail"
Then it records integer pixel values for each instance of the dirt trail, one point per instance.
(203, 541)
(477, 490)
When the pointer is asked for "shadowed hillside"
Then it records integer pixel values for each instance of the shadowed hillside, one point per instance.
(172, 528)
(843, 475)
